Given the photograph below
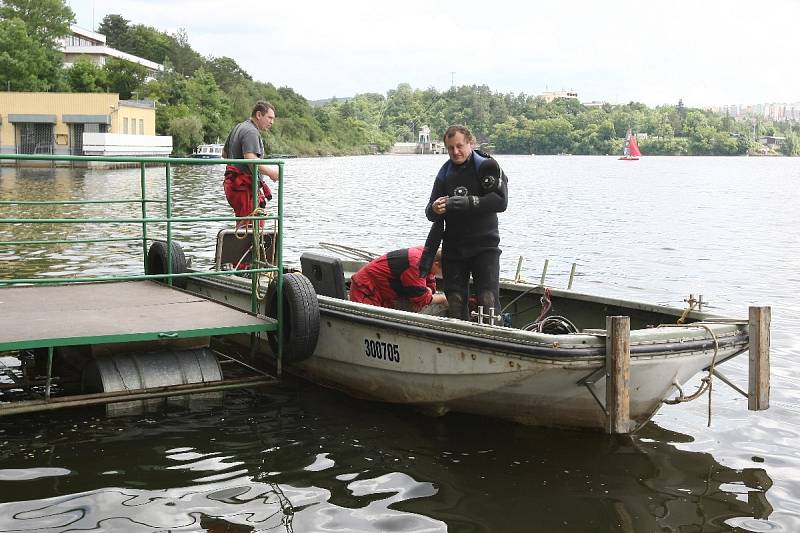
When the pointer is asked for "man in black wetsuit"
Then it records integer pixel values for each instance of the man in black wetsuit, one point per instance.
(467, 194)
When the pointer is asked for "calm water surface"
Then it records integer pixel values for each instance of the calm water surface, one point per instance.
(300, 458)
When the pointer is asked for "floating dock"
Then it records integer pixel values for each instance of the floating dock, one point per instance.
(130, 337)
(103, 313)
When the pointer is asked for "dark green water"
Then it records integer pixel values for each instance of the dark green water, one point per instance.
(297, 457)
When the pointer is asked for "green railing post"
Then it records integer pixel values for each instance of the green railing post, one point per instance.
(279, 264)
(169, 224)
(49, 372)
(143, 188)
(254, 254)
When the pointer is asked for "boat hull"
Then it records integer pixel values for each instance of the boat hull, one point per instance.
(442, 373)
(441, 364)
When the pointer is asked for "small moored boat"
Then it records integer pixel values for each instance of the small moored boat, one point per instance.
(208, 151)
(540, 360)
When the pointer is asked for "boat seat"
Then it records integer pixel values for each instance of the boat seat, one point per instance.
(326, 274)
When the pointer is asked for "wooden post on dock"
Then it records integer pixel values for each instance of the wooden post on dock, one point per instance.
(618, 374)
(758, 390)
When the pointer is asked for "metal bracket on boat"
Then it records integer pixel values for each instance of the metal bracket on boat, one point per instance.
(590, 380)
(518, 274)
(692, 303)
(729, 383)
(494, 319)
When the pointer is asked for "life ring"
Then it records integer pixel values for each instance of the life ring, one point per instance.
(157, 262)
(300, 317)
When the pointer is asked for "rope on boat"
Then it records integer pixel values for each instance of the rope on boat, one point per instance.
(257, 257)
(692, 303)
(553, 325)
(707, 383)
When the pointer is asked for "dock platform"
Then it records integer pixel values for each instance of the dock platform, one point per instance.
(100, 313)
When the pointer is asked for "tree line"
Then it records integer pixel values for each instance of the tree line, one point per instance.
(200, 98)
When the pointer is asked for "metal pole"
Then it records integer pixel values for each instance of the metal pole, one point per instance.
(169, 224)
(279, 264)
(49, 372)
(143, 187)
(544, 272)
(571, 277)
(518, 275)
(82, 400)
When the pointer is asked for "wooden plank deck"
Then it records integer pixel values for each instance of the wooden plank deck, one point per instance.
(93, 313)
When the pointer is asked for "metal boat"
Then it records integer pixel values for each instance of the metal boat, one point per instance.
(526, 365)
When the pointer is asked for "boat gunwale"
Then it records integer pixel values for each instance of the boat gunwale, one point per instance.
(528, 344)
(548, 346)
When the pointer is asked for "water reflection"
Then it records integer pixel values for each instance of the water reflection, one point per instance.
(652, 231)
(304, 459)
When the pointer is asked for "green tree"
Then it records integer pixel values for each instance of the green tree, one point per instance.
(552, 136)
(183, 57)
(227, 73)
(46, 21)
(20, 58)
(116, 28)
(792, 145)
(202, 94)
(124, 77)
(86, 77)
(29, 47)
(148, 43)
(187, 132)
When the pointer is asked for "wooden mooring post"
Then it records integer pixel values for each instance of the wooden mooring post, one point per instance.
(618, 374)
(758, 376)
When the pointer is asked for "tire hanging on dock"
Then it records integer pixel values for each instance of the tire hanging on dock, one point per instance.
(300, 316)
(157, 262)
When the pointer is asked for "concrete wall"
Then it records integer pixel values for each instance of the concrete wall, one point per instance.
(406, 148)
(20, 103)
(119, 144)
(419, 148)
(63, 109)
(144, 117)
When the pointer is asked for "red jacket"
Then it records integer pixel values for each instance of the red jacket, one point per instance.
(393, 276)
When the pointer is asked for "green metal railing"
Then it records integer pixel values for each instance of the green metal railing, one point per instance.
(169, 219)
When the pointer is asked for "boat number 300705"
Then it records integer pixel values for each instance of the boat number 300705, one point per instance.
(382, 350)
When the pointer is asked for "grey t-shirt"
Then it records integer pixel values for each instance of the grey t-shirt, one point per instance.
(243, 138)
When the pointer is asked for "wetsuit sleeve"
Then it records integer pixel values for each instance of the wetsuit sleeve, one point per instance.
(495, 201)
(437, 192)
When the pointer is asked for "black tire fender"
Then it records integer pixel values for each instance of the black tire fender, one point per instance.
(157, 262)
(300, 317)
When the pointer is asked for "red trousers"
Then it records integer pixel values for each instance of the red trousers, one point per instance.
(238, 187)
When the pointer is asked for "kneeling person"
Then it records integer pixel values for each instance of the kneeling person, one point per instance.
(395, 276)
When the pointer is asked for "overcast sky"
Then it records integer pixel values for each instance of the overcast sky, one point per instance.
(706, 52)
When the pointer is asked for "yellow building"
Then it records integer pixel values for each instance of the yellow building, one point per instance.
(79, 124)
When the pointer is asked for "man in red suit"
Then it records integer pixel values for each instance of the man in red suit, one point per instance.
(395, 276)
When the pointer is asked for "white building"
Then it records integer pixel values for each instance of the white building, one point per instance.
(549, 96)
(92, 45)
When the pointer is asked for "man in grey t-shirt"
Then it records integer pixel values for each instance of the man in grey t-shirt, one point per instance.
(244, 142)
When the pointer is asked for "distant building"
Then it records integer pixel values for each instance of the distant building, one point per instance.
(771, 140)
(79, 124)
(772, 111)
(92, 46)
(549, 96)
(424, 145)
